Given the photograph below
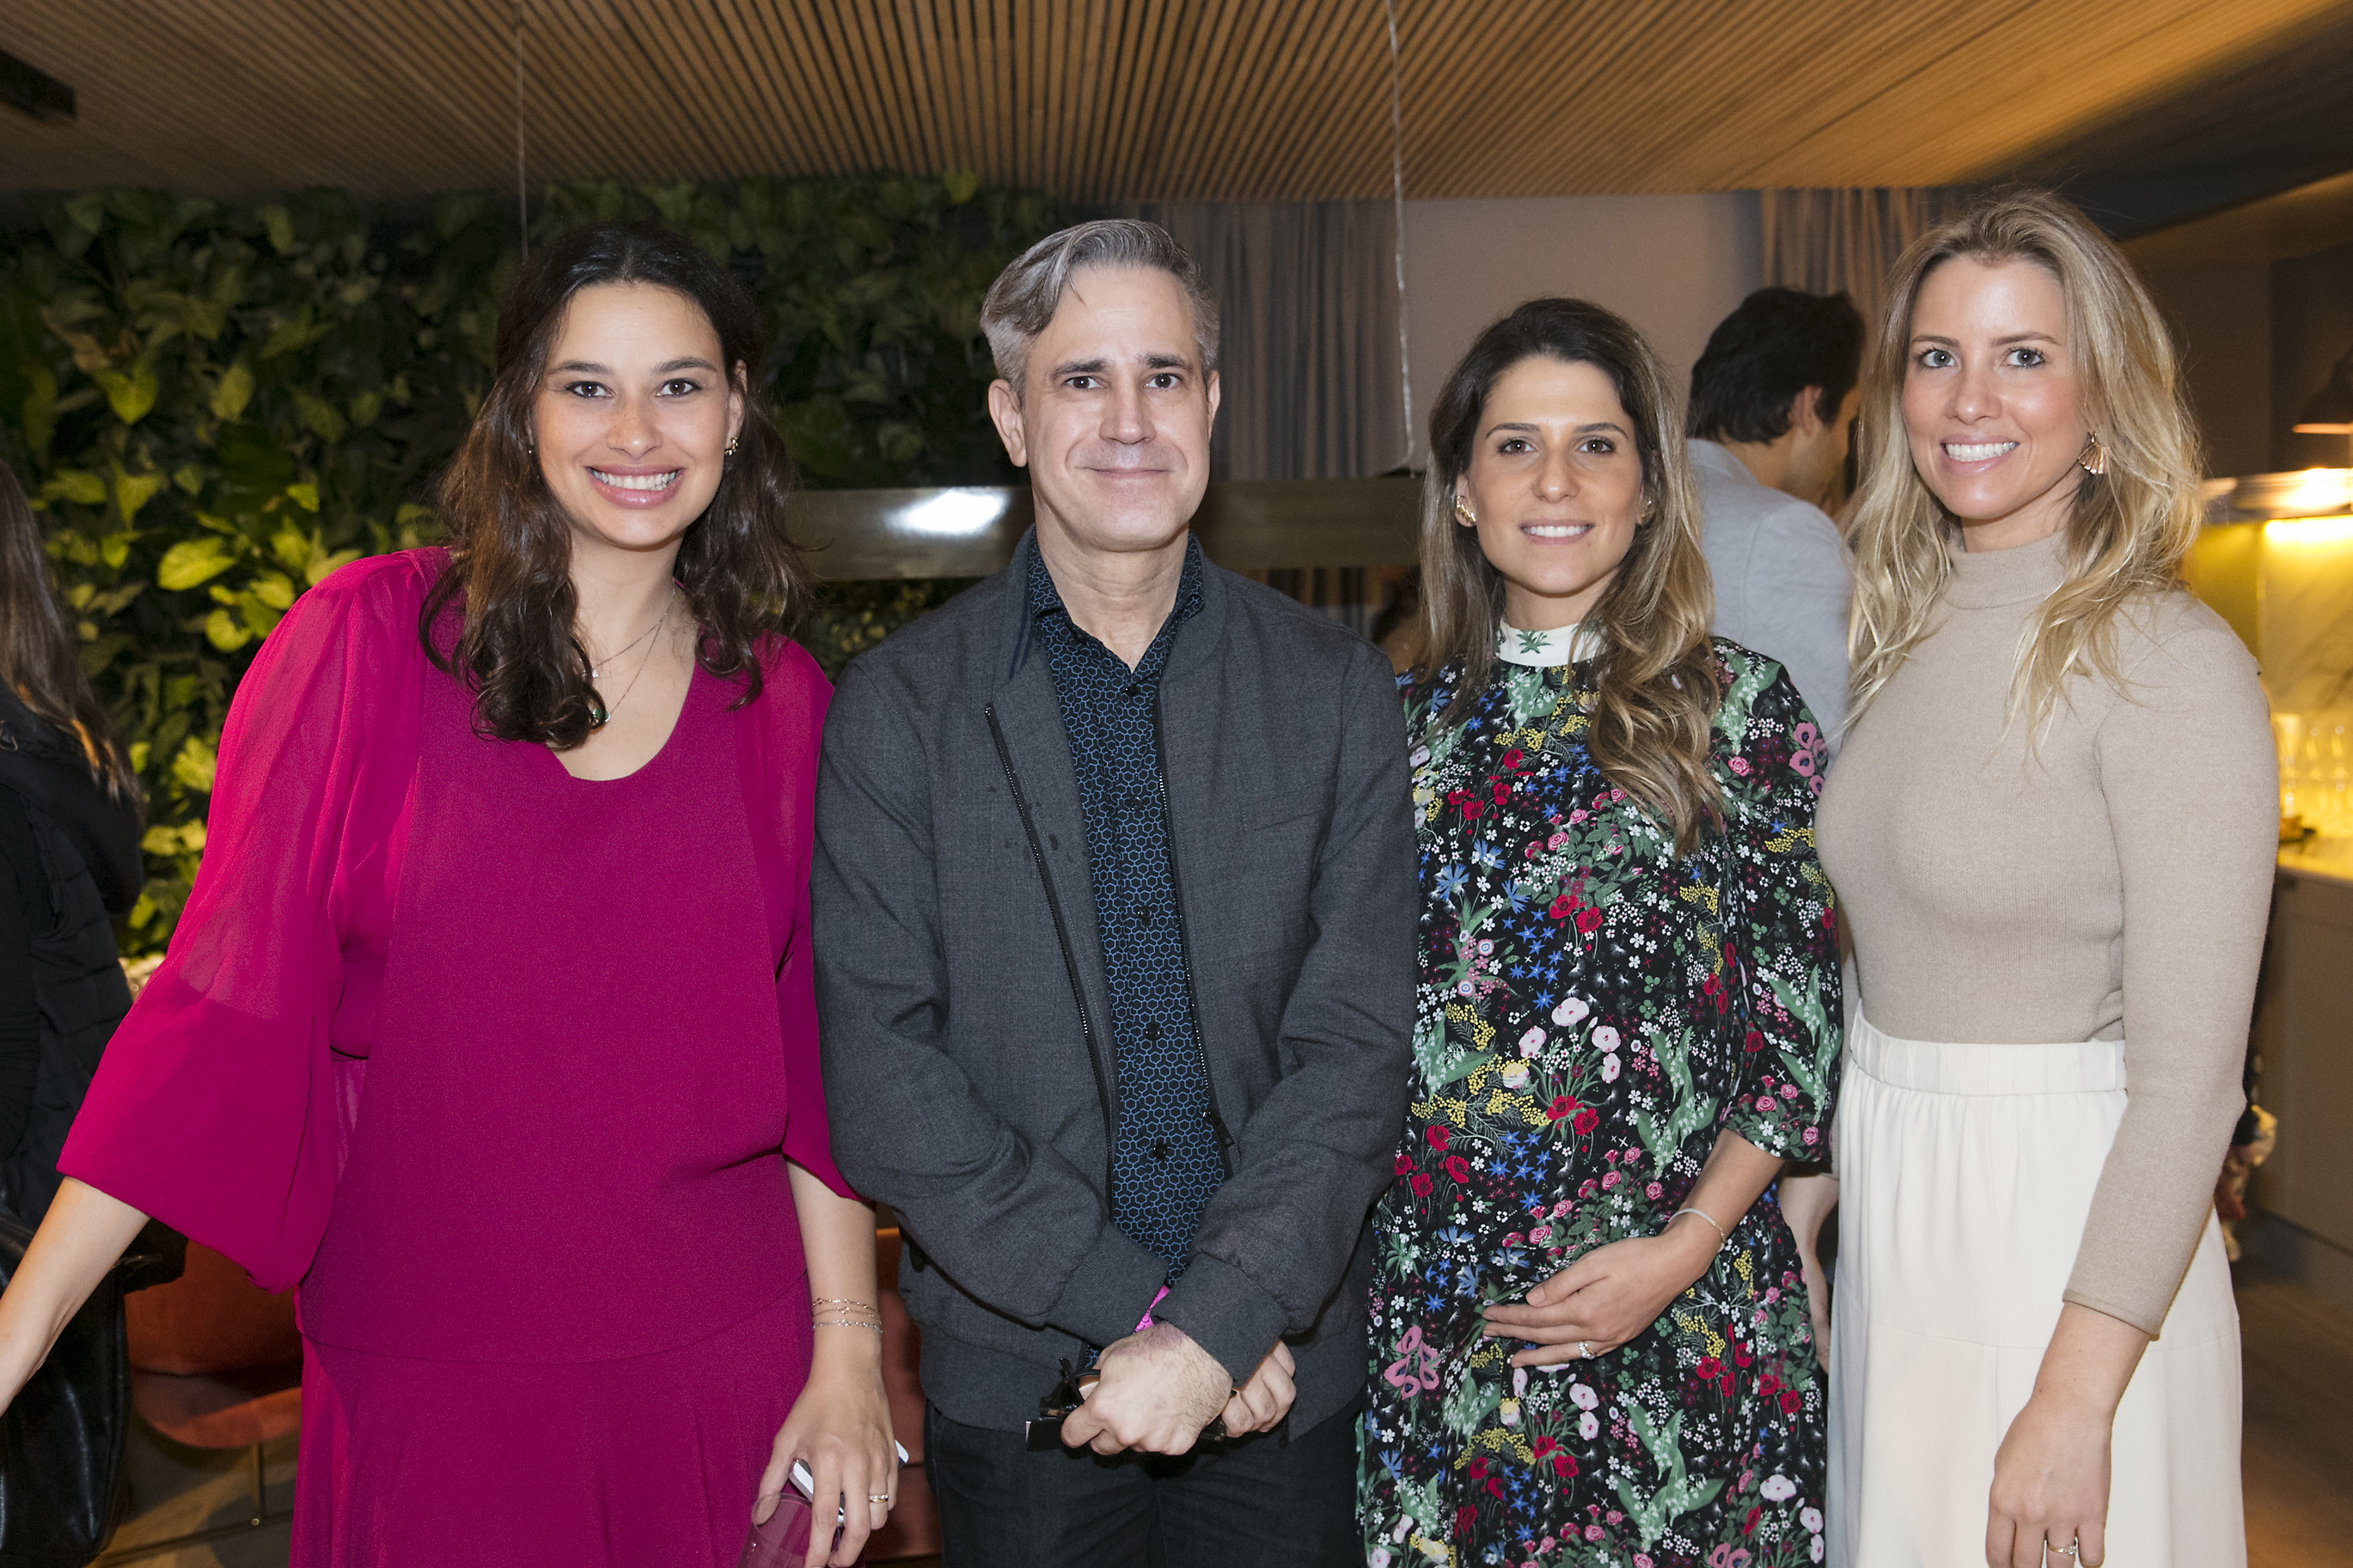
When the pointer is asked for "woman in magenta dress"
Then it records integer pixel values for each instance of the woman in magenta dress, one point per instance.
(489, 1020)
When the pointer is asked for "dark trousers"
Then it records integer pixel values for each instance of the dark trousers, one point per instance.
(1255, 1502)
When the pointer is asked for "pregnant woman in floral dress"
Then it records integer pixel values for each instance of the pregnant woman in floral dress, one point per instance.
(1591, 1343)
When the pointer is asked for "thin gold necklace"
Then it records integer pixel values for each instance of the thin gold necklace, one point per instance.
(596, 670)
(602, 715)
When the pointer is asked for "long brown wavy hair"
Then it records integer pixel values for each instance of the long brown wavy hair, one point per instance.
(2127, 530)
(511, 543)
(39, 654)
(1657, 684)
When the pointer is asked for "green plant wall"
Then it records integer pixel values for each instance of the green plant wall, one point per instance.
(215, 406)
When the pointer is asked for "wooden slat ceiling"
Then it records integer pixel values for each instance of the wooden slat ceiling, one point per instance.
(1118, 99)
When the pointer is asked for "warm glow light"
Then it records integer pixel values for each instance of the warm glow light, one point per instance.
(955, 513)
(2309, 530)
(2319, 490)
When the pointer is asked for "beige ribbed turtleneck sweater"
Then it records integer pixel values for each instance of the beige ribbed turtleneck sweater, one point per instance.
(2117, 885)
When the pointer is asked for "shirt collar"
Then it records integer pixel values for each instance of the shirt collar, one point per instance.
(1719, 460)
(1045, 599)
(1544, 650)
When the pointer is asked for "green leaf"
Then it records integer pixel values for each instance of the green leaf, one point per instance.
(194, 561)
(40, 410)
(193, 768)
(292, 547)
(316, 573)
(318, 416)
(227, 633)
(161, 841)
(961, 184)
(234, 392)
(132, 491)
(280, 224)
(189, 477)
(305, 496)
(75, 485)
(131, 396)
(274, 589)
(259, 617)
(289, 335)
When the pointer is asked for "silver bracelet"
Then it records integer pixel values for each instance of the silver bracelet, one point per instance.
(846, 1323)
(1711, 1224)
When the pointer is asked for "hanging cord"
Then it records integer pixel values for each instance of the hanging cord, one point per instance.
(1396, 188)
(522, 185)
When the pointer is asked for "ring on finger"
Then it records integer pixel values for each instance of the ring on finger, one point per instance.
(1584, 1350)
(878, 1497)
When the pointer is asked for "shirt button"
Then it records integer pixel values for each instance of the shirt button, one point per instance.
(1151, 1031)
(1160, 1149)
(1133, 690)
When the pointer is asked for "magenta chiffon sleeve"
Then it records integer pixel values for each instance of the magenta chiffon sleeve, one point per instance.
(213, 1108)
(783, 779)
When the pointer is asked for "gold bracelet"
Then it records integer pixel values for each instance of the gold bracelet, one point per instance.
(841, 1301)
(846, 1323)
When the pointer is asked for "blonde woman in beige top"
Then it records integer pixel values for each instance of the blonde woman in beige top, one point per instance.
(2052, 826)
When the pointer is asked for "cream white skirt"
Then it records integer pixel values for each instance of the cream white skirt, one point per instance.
(1965, 1175)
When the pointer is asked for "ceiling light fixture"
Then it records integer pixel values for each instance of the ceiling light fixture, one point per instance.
(28, 86)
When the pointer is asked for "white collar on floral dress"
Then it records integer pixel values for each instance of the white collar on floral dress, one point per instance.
(1543, 650)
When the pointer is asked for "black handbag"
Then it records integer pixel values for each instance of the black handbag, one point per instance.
(61, 1439)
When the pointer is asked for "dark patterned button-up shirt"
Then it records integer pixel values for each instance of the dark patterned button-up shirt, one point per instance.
(1166, 1161)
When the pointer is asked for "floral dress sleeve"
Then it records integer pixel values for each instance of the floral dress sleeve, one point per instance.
(1780, 918)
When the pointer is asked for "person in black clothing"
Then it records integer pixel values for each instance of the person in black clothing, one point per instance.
(69, 864)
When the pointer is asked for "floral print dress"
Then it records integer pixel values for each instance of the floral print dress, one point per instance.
(1593, 1009)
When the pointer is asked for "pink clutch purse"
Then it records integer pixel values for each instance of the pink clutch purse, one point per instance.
(782, 1542)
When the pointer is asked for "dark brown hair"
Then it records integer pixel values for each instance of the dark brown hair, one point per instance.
(511, 543)
(39, 657)
(1656, 674)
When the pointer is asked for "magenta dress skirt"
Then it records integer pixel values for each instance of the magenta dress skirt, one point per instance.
(505, 1067)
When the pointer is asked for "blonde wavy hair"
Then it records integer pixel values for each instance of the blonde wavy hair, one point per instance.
(1656, 677)
(2128, 530)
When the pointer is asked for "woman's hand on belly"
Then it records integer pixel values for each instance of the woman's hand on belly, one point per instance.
(1605, 1298)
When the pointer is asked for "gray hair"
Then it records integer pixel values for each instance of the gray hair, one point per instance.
(1026, 295)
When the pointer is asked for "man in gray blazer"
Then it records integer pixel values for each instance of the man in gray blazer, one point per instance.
(1115, 905)
(1772, 405)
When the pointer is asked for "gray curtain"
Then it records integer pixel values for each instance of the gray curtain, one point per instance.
(1825, 241)
(1308, 358)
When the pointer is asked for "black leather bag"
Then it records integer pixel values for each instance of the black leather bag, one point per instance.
(61, 1440)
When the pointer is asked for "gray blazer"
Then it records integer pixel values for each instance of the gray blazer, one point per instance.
(970, 1077)
(1782, 580)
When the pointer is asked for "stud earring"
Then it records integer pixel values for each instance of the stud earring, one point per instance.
(2095, 457)
(1462, 513)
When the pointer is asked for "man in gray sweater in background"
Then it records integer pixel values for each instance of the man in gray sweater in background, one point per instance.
(1772, 409)
(1115, 906)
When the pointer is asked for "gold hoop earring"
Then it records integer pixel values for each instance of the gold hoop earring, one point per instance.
(2094, 457)
(1464, 513)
